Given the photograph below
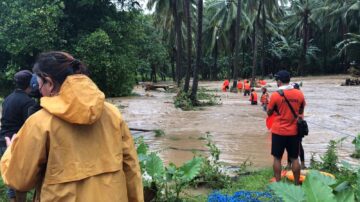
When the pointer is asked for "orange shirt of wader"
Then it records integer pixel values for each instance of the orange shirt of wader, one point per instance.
(284, 122)
(239, 85)
(262, 82)
(247, 86)
(253, 97)
(264, 98)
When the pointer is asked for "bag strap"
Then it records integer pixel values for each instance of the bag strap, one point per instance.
(281, 92)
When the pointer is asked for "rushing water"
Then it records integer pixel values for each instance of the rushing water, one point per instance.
(238, 128)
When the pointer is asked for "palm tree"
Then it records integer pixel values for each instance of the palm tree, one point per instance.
(341, 17)
(223, 21)
(189, 43)
(198, 51)
(353, 40)
(237, 44)
(255, 48)
(301, 21)
(168, 16)
(221, 29)
(271, 12)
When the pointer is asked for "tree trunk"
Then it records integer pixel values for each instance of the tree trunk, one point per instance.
(198, 52)
(255, 48)
(215, 59)
(237, 45)
(232, 50)
(305, 44)
(263, 42)
(343, 57)
(153, 73)
(253, 72)
(177, 21)
(173, 55)
(189, 42)
(243, 55)
(325, 52)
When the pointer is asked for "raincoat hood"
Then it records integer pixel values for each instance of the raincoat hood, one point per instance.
(79, 101)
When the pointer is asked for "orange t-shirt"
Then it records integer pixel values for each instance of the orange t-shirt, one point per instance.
(253, 96)
(247, 86)
(226, 83)
(285, 122)
(239, 85)
(264, 98)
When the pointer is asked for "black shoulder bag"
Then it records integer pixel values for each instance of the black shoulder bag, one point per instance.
(302, 125)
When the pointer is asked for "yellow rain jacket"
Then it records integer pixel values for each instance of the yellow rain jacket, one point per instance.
(77, 148)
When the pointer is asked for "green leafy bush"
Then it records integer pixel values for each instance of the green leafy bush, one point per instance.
(212, 171)
(207, 99)
(182, 100)
(167, 182)
(317, 187)
(356, 142)
(329, 160)
(111, 71)
(159, 133)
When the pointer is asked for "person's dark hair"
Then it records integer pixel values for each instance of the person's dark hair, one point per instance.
(58, 65)
(296, 86)
(22, 79)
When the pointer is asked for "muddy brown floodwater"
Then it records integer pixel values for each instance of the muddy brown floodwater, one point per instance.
(238, 128)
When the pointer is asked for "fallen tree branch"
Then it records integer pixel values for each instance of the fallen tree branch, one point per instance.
(140, 129)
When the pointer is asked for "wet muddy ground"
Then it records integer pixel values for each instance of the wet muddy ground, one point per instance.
(238, 128)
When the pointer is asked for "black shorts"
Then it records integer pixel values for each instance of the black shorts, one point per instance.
(280, 143)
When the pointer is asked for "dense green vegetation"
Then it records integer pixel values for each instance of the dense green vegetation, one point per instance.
(117, 42)
(172, 183)
(211, 39)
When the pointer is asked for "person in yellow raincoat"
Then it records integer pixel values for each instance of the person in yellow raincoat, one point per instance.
(77, 147)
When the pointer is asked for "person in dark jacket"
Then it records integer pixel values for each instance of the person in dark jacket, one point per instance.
(35, 94)
(15, 110)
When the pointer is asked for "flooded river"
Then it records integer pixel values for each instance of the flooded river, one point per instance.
(238, 128)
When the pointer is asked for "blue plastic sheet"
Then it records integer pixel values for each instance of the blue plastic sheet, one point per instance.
(242, 196)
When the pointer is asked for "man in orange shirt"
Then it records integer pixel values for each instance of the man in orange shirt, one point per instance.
(264, 98)
(284, 128)
(225, 85)
(247, 88)
(253, 97)
(239, 86)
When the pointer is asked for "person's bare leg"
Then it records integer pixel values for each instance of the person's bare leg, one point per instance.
(303, 165)
(295, 166)
(277, 169)
(20, 196)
